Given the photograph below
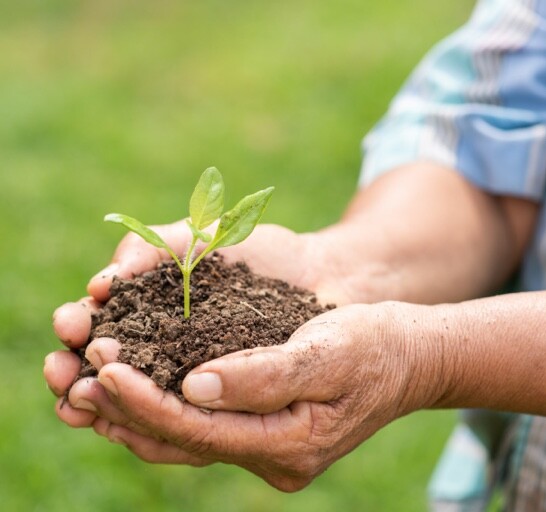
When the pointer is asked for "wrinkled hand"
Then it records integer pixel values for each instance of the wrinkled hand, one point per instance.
(341, 377)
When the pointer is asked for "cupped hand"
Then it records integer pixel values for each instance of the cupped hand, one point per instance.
(271, 250)
(284, 413)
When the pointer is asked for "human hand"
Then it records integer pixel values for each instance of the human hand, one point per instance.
(271, 250)
(340, 378)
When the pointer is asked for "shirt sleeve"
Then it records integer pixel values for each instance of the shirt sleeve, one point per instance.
(476, 103)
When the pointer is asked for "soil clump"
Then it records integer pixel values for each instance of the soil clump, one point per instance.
(231, 309)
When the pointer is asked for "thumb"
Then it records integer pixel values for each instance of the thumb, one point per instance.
(265, 380)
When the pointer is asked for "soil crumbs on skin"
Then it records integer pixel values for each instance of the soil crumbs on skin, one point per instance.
(231, 309)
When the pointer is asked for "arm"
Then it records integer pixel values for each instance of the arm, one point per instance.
(422, 233)
(493, 353)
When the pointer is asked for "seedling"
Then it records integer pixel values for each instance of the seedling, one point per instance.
(206, 205)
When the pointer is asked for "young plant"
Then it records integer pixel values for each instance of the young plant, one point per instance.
(206, 205)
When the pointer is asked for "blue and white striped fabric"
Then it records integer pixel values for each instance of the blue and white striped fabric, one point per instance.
(477, 103)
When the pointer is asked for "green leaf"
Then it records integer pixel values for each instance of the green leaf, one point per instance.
(239, 222)
(197, 233)
(137, 227)
(207, 200)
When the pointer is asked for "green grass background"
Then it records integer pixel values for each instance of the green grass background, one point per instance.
(118, 106)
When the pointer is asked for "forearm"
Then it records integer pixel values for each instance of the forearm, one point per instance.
(423, 234)
(487, 353)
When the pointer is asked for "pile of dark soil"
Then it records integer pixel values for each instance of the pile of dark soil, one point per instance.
(231, 309)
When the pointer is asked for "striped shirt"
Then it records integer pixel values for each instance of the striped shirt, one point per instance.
(477, 104)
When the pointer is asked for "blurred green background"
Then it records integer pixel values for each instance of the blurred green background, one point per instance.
(118, 106)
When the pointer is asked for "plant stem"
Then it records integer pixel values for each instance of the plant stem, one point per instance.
(186, 273)
(186, 295)
(185, 280)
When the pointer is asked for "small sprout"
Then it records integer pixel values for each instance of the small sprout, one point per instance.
(206, 205)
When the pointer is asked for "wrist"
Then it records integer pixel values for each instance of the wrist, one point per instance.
(424, 355)
(493, 352)
(349, 266)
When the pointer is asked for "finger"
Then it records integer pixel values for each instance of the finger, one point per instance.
(72, 322)
(89, 395)
(193, 430)
(60, 370)
(262, 444)
(146, 448)
(134, 256)
(75, 418)
(265, 380)
(102, 351)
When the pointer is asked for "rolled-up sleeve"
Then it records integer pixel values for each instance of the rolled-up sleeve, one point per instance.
(476, 103)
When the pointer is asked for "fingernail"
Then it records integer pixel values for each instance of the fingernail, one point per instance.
(109, 385)
(93, 357)
(203, 387)
(51, 361)
(85, 404)
(109, 271)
